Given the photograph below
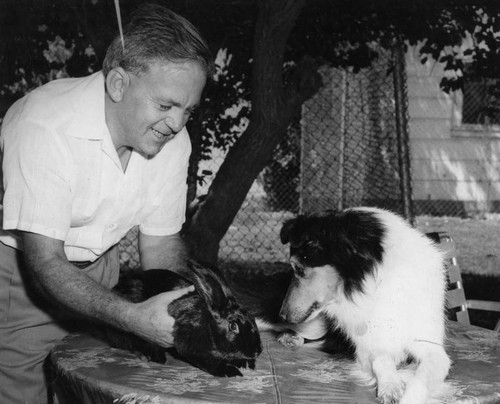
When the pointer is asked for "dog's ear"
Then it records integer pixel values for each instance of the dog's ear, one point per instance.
(347, 245)
(286, 229)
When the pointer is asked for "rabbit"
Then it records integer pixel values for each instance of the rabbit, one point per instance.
(211, 330)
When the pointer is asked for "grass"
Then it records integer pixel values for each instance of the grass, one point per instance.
(477, 241)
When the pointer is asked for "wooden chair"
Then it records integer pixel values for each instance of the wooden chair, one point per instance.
(458, 305)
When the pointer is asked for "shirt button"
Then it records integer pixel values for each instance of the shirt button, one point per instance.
(111, 226)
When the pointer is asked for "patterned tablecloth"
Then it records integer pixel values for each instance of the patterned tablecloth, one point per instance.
(87, 371)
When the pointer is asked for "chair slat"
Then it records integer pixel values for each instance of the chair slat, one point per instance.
(483, 305)
(487, 306)
(455, 296)
(463, 317)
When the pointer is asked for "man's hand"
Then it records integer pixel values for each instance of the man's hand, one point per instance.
(152, 319)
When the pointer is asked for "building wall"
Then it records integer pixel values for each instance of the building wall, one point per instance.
(455, 169)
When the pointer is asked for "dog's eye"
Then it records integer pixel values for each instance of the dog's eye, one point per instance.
(233, 327)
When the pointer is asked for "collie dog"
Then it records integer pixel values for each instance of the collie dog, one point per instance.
(379, 281)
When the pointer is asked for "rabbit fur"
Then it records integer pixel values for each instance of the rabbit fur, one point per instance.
(211, 330)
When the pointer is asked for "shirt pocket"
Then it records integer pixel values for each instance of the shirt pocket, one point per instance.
(149, 202)
(87, 185)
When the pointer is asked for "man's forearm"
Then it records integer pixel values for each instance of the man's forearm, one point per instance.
(65, 285)
(61, 282)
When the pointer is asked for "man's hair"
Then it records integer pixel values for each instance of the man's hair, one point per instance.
(157, 34)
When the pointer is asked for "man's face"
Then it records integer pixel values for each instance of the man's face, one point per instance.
(156, 105)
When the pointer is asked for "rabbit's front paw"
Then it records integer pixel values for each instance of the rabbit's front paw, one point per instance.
(244, 363)
(151, 353)
(224, 370)
(158, 356)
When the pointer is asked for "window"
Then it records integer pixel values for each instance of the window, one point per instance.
(481, 102)
(477, 107)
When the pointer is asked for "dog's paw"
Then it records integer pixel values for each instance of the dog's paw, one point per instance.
(290, 339)
(391, 392)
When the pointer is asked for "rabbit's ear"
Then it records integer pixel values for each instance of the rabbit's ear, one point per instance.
(210, 286)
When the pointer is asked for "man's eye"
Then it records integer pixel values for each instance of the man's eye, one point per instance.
(165, 107)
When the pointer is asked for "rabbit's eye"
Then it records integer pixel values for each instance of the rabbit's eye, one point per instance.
(233, 326)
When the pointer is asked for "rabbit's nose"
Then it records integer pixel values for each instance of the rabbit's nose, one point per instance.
(258, 351)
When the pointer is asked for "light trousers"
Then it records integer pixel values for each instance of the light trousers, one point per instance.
(29, 328)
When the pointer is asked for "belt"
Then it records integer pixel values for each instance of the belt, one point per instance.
(82, 264)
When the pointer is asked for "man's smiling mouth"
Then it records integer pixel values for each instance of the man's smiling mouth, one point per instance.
(163, 137)
(158, 134)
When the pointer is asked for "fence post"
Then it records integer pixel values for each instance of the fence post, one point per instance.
(342, 140)
(402, 131)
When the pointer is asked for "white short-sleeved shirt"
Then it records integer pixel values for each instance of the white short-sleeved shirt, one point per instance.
(63, 178)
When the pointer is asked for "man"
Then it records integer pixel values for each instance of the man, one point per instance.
(85, 160)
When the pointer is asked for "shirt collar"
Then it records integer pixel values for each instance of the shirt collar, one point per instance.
(89, 118)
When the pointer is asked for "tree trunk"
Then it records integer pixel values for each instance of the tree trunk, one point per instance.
(272, 109)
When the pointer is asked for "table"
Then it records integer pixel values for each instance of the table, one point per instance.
(87, 371)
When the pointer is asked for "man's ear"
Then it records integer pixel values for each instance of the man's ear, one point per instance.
(117, 81)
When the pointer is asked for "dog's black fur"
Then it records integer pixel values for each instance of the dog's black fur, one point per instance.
(357, 239)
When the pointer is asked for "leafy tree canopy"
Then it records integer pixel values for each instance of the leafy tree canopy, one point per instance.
(339, 32)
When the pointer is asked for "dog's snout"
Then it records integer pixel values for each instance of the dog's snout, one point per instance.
(292, 314)
(284, 315)
(287, 308)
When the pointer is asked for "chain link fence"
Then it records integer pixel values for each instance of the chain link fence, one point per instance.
(344, 150)
(129, 249)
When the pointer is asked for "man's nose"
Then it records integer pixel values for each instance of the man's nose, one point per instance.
(175, 121)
